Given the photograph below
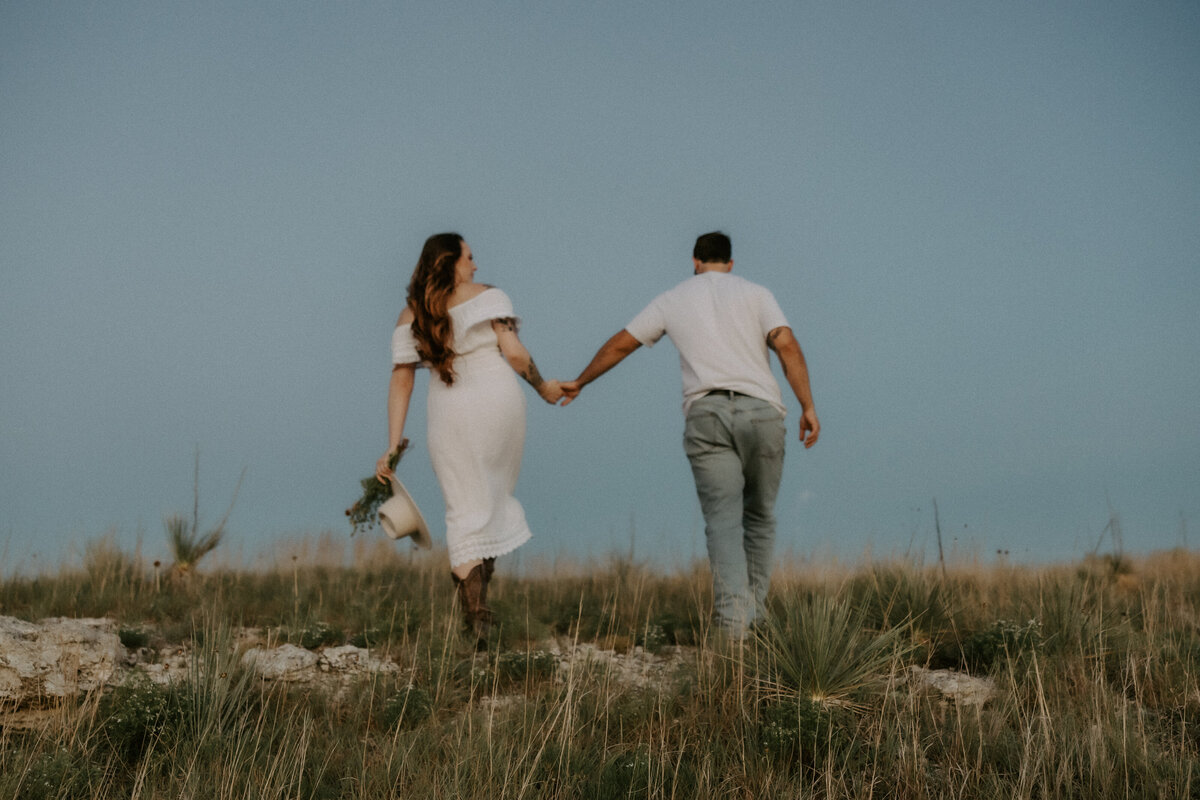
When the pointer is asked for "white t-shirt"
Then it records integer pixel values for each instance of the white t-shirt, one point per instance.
(719, 323)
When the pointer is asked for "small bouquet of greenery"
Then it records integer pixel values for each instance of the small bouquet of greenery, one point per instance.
(364, 514)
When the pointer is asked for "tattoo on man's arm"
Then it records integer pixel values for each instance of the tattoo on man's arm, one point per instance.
(508, 323)
(772, 336)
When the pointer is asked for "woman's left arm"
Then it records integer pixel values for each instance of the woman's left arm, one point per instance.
(521, 362)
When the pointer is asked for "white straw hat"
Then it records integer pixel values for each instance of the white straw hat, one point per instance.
(400, 517)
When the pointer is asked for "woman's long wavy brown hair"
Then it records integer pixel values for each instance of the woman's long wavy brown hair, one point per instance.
(429, 297)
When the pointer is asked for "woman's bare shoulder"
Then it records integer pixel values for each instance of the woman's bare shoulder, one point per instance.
(406, 316)
(468, 291)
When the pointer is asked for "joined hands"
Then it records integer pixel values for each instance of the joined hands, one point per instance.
(550, 391)
(557, 392)
(570, 390)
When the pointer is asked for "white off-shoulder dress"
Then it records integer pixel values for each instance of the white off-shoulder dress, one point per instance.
(476, 432)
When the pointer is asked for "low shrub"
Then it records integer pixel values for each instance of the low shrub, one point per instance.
(407, 708)
(139, 715)
(1005, 639)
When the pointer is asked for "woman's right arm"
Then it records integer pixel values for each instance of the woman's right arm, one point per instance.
(400, 390)
(522, 363)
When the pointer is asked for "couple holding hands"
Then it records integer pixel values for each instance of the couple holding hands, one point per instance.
(723, 327)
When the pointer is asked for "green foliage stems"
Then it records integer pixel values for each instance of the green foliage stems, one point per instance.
(364, 514)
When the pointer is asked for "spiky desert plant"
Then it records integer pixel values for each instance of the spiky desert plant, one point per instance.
(817, 649)
(188, 545)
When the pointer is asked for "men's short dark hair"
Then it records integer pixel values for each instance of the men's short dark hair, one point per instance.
(713, 247)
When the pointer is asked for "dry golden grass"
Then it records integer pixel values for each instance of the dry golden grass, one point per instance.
(1095, 669)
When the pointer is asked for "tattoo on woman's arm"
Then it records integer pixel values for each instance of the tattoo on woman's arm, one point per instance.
(532, 376)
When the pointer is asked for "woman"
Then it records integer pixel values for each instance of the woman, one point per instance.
(466, 333)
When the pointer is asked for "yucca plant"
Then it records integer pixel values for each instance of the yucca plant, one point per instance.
(817, 649)
(188, 545)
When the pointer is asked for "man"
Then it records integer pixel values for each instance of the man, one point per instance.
(734, 434)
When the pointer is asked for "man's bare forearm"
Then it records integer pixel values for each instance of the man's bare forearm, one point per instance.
(611, 353)
(795, 368)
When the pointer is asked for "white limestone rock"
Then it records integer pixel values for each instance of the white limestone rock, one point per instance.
(56, 657)
(295, 664)
(351, 660)
(284, 663)
(963, 689)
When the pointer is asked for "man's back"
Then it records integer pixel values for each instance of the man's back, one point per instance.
(719, 323)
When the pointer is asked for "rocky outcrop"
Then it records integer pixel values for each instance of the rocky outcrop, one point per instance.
(62, 657)
(963, 689)
(293, 664)
(284, 663)
(56, 657)
(351, 660)
(638, 667)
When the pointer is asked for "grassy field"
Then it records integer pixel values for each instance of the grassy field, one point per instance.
(1094, 669)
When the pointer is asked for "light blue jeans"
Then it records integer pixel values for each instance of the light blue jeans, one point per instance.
(735, 445)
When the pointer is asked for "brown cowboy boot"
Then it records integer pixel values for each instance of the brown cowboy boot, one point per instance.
(489, 567)
(472, 595)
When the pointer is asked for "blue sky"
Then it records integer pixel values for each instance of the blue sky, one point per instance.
(982, 220)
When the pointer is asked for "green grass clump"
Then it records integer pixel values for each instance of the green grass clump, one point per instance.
(999, 643)
(138, 715)
(407, 708)
(519, 668)
(312, 635)
(61, 775)
(799, 734)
